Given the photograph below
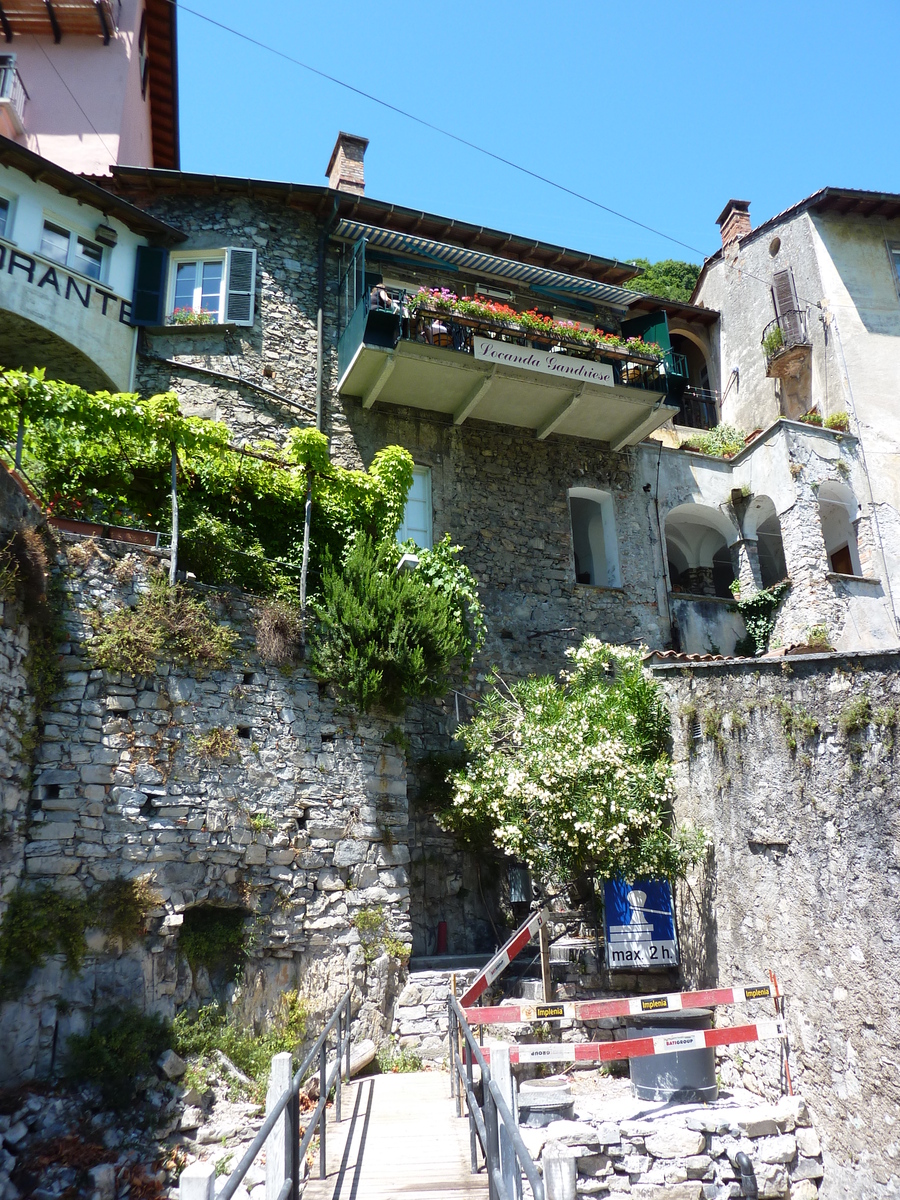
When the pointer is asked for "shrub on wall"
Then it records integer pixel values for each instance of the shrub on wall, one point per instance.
(383, 637)
(572, 775)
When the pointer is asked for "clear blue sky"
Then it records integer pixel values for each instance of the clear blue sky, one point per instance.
(661, 110)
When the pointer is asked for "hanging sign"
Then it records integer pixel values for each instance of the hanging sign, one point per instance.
(640, 925)
(579, 370)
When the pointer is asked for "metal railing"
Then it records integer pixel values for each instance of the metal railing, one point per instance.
(12, 89)
(488, 1119)
(788, 329)
(296, 1146)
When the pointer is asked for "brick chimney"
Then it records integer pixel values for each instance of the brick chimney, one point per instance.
(734, 220)
(345, 167)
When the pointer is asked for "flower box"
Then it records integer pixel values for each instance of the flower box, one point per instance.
(115, 533)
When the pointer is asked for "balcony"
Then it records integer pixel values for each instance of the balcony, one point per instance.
(13, 98)
(698, 408)
(59, 18)
(786, 345)
(477, 359)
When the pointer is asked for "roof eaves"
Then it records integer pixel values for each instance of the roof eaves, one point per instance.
(85, 190)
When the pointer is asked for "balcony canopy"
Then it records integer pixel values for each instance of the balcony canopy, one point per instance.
(57, 18)
(458, 258)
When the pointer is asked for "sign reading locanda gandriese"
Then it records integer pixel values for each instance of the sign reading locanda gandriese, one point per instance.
(579, 370)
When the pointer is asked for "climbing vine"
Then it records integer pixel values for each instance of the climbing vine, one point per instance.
(758, 612)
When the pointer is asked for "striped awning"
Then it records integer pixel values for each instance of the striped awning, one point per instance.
(477, 261)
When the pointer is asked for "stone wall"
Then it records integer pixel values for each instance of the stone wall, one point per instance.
(796, 781)
(302, 824)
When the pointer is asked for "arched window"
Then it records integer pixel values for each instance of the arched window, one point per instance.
(761, 522)
(594, 537)
(698, 541)
(838, 511)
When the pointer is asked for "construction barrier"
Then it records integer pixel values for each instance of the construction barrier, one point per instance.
(669, 1043)
(591, 1010)
(504, 957)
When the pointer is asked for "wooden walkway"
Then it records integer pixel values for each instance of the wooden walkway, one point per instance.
(400, 1140)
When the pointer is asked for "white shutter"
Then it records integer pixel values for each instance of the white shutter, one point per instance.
(240, 288)
(416, 522)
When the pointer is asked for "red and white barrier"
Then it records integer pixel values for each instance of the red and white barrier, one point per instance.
(504, 957)
(630, 1006)
(669, 1043)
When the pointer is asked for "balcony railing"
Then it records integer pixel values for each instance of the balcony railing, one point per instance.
(699, 408)
(13, 95)
(787, 331)
(389, 315)
(44, 18)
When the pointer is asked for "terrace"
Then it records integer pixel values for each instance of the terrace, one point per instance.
(470, 356)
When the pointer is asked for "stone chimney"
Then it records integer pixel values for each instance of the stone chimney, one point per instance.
(345, 167)
(734, 220)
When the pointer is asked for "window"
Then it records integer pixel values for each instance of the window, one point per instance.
(594, 538)
(220, 283)
(838, 512)
(71, 250)
(4, 215)
(416, 523)
(894, 249)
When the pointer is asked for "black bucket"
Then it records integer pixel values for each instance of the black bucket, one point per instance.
(685, 1075)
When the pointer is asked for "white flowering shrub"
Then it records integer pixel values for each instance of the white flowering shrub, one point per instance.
(573, 774)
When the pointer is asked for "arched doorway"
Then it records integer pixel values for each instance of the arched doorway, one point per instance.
(838, 513)
(698, 548)
(594, 537)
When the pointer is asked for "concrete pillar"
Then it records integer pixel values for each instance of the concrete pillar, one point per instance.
(748, 573)
(560, 1171)
(197, 1182)
(278, 1143)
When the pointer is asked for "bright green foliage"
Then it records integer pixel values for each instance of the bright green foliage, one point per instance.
(375, 936)
(773, 342)
(123, 1044)
(199, 1034)
(722, 441)
(383, 637)
(167, 623)
(215, 938)
(856, 716)
(839, 421)
(670, 278)
(759, 612)
(573, 775)
(107, 458)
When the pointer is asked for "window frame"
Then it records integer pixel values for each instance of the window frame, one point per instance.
(403, 534)
(7, 228)
(74, 236)
(893, 249)
(230, 291)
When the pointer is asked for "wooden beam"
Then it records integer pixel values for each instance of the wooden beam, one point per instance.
(4, 22)
(54, 24)
(380, 380)
(567, 405)
(474, 398)
(645, 423)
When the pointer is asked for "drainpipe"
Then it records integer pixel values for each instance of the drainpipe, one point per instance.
(324, 230)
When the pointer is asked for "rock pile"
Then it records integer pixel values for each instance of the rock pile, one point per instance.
(622, 1145)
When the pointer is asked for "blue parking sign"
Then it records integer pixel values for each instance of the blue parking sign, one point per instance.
(640, 924)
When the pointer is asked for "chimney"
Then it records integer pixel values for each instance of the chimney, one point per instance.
(734, 220)
(345, 167)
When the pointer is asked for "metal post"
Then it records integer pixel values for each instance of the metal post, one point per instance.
(173, 563)
(492, 1137)
(348, 1038)
(451, 1047)
(20, 437)
(546, 979)
(337, 1082)
(473, 1146)
(294, 1131)
(307, 522)
(322, 1099)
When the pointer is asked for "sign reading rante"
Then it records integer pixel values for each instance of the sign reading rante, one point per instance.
(578, 370)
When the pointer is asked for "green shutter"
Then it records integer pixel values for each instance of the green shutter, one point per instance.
(149, 286)
(649, 327)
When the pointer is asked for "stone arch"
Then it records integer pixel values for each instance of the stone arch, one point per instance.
(25, 345)
(698, 549)
(594, 537)
(839, 514)
(700, 345)
(761, 524)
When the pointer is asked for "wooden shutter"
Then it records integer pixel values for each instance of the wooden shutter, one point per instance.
(149, 286)
(241, 287)
(784, 294)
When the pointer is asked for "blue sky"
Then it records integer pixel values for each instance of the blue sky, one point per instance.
(661, 111)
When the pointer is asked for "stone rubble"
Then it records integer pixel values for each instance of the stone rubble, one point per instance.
(655, 1151)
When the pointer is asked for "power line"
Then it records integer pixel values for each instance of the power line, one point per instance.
(112, 156)
(508, 162)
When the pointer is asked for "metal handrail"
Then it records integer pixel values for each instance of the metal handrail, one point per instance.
(483, 1120)
(341, 1018)
(12, 88)
(791, 324)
